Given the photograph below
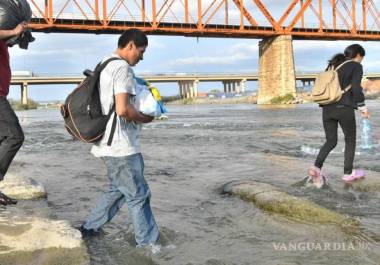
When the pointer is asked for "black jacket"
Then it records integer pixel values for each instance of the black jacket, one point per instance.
(351, 73)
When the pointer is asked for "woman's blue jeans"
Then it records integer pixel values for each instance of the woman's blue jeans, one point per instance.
(127, 184)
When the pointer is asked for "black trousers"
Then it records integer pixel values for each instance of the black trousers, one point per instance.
(11, 136)
(333, 115)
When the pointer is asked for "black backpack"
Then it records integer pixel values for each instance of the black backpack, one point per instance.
(82, 111)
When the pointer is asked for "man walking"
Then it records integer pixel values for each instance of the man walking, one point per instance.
(123, 160)
(11, 134)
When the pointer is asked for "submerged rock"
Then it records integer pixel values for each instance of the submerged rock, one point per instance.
(34, 240)
(162, 118)
(366, 185)
(23, 188)
(271, 199)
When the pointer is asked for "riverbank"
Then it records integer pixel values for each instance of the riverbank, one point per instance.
(251, 99)
(236, 100)
(17, 105)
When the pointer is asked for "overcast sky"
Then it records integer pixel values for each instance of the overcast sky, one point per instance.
(70, 54)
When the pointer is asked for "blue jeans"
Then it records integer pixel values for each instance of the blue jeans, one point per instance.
(127, 184)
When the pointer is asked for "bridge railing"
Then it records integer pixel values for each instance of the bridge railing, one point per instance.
(326, 19)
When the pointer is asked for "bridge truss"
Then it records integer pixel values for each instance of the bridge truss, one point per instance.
(303, 19)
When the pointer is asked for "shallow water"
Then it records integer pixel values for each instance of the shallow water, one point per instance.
(188, 159)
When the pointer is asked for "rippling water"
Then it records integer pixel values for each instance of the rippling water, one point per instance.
(188, 159)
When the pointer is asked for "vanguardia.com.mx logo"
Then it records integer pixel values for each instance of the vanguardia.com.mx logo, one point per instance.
(321, 246)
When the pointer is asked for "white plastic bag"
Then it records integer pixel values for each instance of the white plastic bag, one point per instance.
(145, 103)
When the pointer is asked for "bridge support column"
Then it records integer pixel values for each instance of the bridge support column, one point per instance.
(188, 89)
(183, 89)
(230, 86)
(241, 87)
(180, 88)
(276, 68)
(195, 88)
(24, 94)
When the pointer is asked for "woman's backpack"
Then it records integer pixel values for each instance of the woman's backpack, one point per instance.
(326, 89)
(82, 111)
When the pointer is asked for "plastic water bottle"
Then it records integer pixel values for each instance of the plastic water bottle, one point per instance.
(366, 136)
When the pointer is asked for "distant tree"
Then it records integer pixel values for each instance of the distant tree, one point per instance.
(215, 91)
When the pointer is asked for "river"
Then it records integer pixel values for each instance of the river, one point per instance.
(188, 158)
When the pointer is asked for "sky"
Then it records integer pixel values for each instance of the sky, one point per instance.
(70, 54)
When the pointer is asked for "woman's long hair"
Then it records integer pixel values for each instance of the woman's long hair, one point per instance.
(336, 60)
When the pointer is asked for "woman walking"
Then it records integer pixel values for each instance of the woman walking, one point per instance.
(350, 72)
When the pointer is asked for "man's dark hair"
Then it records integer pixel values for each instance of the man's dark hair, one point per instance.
(137, 36)
(353, 50)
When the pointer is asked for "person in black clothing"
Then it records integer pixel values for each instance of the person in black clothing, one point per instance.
(11, 134)
(350, 72)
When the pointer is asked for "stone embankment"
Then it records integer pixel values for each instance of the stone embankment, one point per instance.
(28, 239)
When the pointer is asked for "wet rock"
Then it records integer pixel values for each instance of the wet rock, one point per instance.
(162, 118)
(370, 184)
(28, 240)
(271, 199)
(23, 188)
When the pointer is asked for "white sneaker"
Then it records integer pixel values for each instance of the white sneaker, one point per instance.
(155, 248)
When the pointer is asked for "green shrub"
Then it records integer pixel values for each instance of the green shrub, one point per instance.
(188, 101)
(282, 99)
(170, 98)
(16, 105)
(215, 91)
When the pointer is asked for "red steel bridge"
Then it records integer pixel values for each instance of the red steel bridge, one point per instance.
(302, 19)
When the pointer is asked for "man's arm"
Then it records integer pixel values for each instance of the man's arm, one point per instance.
(20, 28)
(126, 110)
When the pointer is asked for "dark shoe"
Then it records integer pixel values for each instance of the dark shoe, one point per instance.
(5, 200)
(89, 232)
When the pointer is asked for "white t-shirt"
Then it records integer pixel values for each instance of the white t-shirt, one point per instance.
(116, 78)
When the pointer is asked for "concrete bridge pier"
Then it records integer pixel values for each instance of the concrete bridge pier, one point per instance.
(230, 86)
(276, 68)
(242, 85)
(225, 86)
(307, 82)
(188, 89)
(24, 93)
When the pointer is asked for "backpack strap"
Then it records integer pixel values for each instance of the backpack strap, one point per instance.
(346, 89)
(113, 127)
(100, 67)
(339, 66)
